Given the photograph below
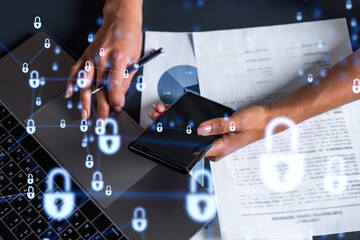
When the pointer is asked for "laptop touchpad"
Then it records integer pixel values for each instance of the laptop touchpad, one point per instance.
(120, 170)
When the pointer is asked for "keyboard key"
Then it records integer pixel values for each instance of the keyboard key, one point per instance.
(113, 233)
(102, 223)
(9, 122)
(3, 133)
(32, 237)
(29, 214)
(77, 219)
(69, 234)
(8, 143)
(18, 132)
(21, 230)
(59, 226)
(3, 180)
(27, 165)
(37, 200)
(29, 143)
(39, 226)
(19, 203)
(20, 179)
(4, 209)
(38, 175)
(44, 159)
(87, 230)
(4, 158)
(90, 210)
(5, 232)
(11, 169)
(50, 234)
(18, 154)
(9, 191)
(3, 112)
(12, 219)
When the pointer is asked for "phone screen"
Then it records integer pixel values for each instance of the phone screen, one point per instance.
(172, 138)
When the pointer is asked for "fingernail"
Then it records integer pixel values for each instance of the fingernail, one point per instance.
(117, 108)
(123, 101)
(154, 106)
(84, 114)
(204, 130)
(67, 94)
(149, 114)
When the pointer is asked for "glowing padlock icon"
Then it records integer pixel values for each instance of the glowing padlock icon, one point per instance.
(30, 179)
(348, 4)
(81, 80)
(97, 182)
(100, 126)
(281, 172)
(37, 22)
(356, 86)
(62, 123)
(188, 129)
(102, 52)
(310, 78)
(87, 66)
(110, 143)
(108, 190)
(42, 81)
(139, 222)
(30, 127)
(34, 80)
(89, 162)
(299, 16)
(140, 85)
(84, 125)
(232, 127)
(90, 37)
(335, 179)
(47, 43)
(30, 193)
(159, 127)
(38, 101)
(69, 104)
(201, 207)
(126, 73)
(51, 198)
(25, 67)
(55, 66)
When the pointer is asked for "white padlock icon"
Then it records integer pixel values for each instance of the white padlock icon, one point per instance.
(42, 81)
(310, 78)
(30, 127)
(356, 88)
(97, 182)
(201, 207)
(62, 123)
(348, 4)
(87, 66)
(232, 126)
(69, 104)
(38, 101)
(89, 162)
(37, 22)
(30, 179)
(84, 125)
(30, 192)
(139, 221)
(102, 52)
(159, 127)
(25, 67)
(90, 38)
(110, 143)
(188, 129)
(100, 126)
(126, 73)
(335, 180)
(81, 80)
(140, 85)
(84, 143)
(34, 80)
(108, 190)
(47, 43)
(50, 198)
(281, 172)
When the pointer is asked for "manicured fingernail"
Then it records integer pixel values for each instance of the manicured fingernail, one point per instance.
(154, 106)
(84, 114)
(117, 108)
(122, 101)
(67, 94)
(149, 114)
(204, 130)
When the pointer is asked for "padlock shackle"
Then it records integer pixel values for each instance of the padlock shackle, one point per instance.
(141, 210)
(32, 189)
(37, 17)
(108, 188)
(87, 63)
(81, 74)
(356, 80)
(113, 123)
(32, 122)
(89, 157)
(97, 173)
(84, 122)
(195, 176)
(66, 176)
(25, 64)
(30, 176)
(159, 124)
(138, 79)
(98, 121)
(275, 122)
(32, 74)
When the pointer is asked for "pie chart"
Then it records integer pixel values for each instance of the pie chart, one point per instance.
(176, 81)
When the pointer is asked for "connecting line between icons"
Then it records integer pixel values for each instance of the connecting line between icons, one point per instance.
(10, 54)
(55, 126)
(36, 55)
(11, 197)
(12, 146)
(32, 103)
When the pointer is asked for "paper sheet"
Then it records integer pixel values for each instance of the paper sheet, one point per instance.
(259, 65)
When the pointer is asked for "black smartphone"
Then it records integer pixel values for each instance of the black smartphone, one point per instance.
(172, 139)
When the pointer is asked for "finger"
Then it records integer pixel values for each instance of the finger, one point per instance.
(223, 146)
(85, 96)
(218, 126)
(153, 116)
(103, 107)
(72, 76)
(160, 108)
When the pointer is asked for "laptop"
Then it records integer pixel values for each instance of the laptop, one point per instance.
(134, 180)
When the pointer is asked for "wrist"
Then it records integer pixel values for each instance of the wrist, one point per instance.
(120, 10)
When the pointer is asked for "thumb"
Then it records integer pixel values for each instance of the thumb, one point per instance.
(216, 126)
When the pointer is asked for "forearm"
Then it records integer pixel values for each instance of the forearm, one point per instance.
(324, 94)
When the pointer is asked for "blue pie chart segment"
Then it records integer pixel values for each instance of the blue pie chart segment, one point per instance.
(177, 80)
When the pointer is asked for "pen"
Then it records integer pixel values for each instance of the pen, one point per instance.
(136, 65)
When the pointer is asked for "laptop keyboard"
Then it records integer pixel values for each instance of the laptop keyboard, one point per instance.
(21, 218)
